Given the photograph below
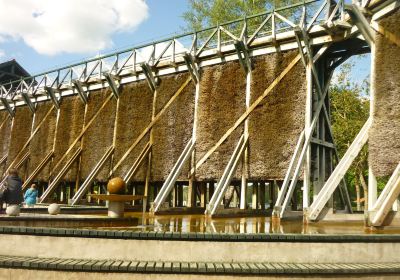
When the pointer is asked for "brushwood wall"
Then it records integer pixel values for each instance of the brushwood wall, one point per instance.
(384, 138)
(274, 126)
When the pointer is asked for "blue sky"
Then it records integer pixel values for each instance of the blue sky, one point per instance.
(161, 19)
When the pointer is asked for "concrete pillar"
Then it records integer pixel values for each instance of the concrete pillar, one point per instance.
(116, 209)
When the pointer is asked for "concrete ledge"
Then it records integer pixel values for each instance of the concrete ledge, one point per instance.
(199, 236)
(221, 268)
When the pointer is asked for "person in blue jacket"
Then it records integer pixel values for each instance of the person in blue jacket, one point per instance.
(31, 195)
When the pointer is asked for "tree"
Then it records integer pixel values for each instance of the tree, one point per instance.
(350, 110)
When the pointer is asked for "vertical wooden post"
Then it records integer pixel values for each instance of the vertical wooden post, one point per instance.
(149, 159)
(191, 193)
(246, 151)
(254, 198)
(78, 173)
(261, 192)
(307, 123)
(372, 184)
(203, 186)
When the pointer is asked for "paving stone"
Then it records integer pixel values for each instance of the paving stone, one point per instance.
(210, 267)
(236, 268)
(201, 267)
(124, 266)
(97, 266)
(176, 267)
(159, 267)
(89, 265)
(115, 265)
(80, 265)
(133, 266)
(106, 266)
(141, 267)
(193, 267)
(185, 267)
(227, 267)
(53, 264)
(253, 268)
(63, 265)
(278, 268)
(219, 268)
(150, 266)
(168, 266)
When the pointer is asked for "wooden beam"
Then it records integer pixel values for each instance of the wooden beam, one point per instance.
(245, 115)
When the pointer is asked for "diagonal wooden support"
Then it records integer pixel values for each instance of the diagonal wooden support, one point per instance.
(226, 178)
(82, 133)
(246, 114)
(89, 179)
(135, 166)
(385, 201)
(340, 170)
(60, 175)
(173, 175)
(38, 169)
(30, 138)
(3, 159)
(22, 160)
(152, 123)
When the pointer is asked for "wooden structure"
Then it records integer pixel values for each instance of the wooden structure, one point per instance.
(205, 117)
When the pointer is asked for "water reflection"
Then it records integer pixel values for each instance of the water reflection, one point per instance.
(201, 223)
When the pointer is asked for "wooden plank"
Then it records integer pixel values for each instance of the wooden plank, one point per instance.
(245, 115)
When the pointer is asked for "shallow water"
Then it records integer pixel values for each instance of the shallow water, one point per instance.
(201, 223)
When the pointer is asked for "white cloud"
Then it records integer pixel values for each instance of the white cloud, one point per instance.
(73, 26)
(2, 54)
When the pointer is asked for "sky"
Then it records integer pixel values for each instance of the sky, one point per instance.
(47, 34)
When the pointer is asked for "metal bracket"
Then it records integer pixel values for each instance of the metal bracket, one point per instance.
(10, 110)
(52, 93)
(111, 83)
(243, 55)
(148, 73)
(82, 94)
(192, 67)
(28, 102)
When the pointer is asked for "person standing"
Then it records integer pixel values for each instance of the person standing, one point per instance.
(31, 196)
(13, 193)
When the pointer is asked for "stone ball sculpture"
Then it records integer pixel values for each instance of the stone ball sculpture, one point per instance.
(13, 210)
(116, 186)
(54, 209)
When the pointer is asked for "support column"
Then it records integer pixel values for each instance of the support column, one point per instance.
(202, 187)
(246, 151)
(254, 197)
(307, 124)
(372, 184)
(149, 159)
(191, 200)
(261, 193)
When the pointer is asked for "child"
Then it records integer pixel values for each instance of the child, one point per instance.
(31, 195)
